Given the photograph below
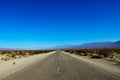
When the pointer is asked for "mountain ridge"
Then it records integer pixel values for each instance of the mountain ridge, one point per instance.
(92, 45)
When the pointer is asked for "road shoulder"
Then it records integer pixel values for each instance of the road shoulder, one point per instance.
(111, 67)
(8, 67)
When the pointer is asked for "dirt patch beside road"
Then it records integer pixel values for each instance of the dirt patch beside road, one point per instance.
(111, 66)
(11, 66)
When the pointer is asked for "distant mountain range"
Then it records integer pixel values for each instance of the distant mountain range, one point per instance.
(91, 45)
(81, 46)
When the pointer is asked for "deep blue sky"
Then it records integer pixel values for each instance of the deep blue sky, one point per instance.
(45, 23)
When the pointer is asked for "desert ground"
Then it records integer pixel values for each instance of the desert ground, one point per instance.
(59, 65)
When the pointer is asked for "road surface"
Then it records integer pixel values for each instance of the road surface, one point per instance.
(61, 66)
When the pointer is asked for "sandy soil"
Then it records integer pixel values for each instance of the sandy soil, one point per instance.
(7, 67)
(110, 66)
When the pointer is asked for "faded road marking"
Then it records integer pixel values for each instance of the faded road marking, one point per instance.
(58, 70)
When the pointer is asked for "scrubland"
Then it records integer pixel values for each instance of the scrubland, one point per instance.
(6, 55)
(106, 58)
(106, 53)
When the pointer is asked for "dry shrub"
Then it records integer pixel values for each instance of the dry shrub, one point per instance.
(96, 56)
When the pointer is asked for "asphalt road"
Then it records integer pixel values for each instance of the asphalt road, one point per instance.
(60, 66)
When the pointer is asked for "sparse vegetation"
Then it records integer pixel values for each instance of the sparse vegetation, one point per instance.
(112, 54)
(14, 54)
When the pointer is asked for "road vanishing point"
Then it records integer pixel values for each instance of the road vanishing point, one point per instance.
(61, 66)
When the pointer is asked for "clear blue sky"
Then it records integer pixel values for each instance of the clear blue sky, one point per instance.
(45, 23)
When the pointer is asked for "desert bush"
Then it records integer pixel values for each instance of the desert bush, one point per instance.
(96, 56)
(103, 52)
(98, 53)
(13, 54)
(82, 54)
(5, 58)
